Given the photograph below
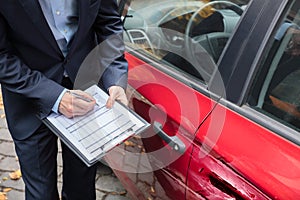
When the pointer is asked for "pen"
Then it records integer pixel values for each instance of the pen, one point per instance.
(80, 96)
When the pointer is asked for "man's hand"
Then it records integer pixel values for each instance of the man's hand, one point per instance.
(116, 93)
(76, 103)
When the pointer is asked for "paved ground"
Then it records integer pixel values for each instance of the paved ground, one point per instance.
(108, 186)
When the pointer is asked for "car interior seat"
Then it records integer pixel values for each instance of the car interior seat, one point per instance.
(280, 93)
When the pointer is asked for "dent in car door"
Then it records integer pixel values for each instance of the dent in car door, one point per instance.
(210, 174)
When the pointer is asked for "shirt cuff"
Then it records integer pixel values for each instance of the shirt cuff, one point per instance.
(55, 107)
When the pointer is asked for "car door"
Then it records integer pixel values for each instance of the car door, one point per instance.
(256, 155)
(170, 89)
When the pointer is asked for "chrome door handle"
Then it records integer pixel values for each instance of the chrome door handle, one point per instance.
(173, 141)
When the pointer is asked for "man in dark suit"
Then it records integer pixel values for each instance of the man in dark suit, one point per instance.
(42, 46)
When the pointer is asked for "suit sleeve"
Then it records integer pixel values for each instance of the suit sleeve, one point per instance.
(109, 30)
(18, 78)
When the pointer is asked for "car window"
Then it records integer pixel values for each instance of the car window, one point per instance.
(276, 91)
(188, 36)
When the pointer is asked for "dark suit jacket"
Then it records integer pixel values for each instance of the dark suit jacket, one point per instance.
(32, 65)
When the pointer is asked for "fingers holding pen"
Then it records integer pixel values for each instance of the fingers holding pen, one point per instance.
(76, 103)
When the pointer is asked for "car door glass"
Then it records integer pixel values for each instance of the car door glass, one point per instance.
(188, 36)
(277, 86)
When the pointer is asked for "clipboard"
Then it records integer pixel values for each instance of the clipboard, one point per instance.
(91, 136)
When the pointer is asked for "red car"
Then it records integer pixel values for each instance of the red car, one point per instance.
(219, 81)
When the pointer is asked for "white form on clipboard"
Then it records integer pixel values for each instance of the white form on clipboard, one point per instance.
(92, 135)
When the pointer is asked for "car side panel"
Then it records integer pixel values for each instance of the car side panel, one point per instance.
(265, 159)
(185, 105)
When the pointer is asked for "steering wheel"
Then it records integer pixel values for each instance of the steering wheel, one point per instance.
(204, 50)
